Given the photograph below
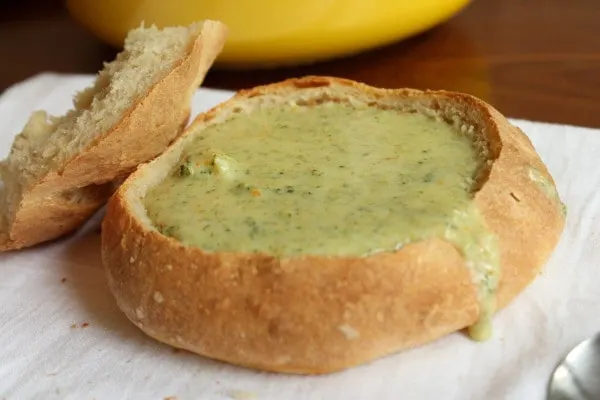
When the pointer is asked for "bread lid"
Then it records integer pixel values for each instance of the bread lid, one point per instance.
(60, 170)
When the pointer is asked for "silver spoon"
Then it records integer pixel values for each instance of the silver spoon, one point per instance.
(577, 377)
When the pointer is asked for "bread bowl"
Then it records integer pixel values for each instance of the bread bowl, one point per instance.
(404, 265)
(62, 169)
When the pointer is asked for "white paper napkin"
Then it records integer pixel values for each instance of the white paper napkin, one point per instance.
(62, 336)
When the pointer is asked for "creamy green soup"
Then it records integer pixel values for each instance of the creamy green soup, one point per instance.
(331, 180)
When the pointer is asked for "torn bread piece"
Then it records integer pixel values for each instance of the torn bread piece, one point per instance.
(61, 170)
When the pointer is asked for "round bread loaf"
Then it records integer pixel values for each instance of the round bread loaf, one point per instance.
(335, 302)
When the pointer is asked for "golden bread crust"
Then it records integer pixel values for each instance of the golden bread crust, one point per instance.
(323, 314)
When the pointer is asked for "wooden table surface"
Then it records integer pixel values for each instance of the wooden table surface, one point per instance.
(534, 59)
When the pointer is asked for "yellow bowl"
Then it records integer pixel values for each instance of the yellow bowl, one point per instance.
(274, 32)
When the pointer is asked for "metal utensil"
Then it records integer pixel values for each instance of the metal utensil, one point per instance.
(577, 377)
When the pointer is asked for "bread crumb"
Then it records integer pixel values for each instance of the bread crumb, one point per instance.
(63, 280)
(73, 326)
(158, 297)
(168, 267)
(242, 395)
(131, 260)
(85, 324)
(349, 332)
(170, 398)
(139, 313)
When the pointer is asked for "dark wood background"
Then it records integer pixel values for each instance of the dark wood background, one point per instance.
(534, 59)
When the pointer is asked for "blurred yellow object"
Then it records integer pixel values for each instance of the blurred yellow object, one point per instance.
(274, 32)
